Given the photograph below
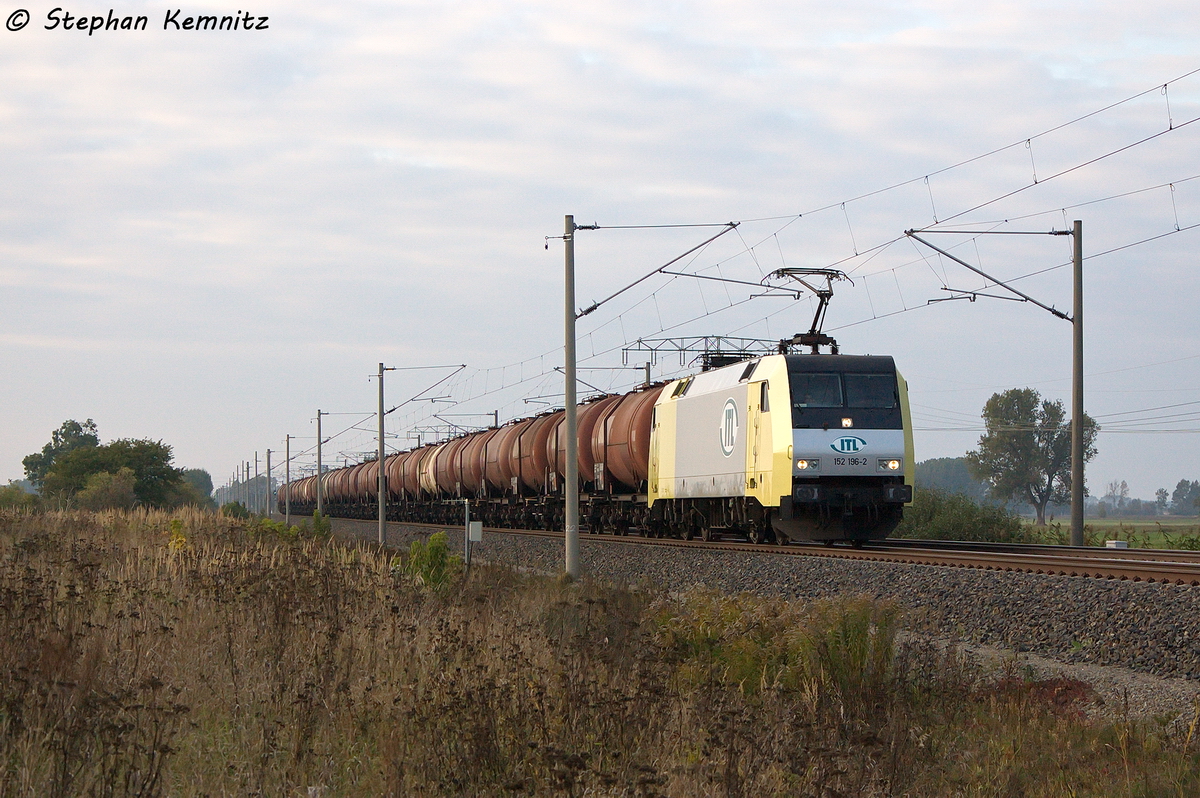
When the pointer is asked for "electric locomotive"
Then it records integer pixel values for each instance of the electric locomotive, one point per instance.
(784, 447)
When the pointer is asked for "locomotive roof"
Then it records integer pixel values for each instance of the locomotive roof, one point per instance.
(861, 364)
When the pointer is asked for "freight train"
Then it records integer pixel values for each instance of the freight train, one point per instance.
(814, 447)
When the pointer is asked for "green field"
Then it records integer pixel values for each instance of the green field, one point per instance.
(1142, 532)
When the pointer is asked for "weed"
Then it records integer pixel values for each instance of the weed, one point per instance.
(430, 563)
(235, 510)
(177, 539)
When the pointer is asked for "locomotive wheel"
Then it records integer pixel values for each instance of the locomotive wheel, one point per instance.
(756, 536)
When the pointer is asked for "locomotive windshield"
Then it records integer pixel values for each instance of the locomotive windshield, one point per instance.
(826, 389)
(817, 390)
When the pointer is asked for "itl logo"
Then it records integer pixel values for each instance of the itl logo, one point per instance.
(848, 445)
(729, 427)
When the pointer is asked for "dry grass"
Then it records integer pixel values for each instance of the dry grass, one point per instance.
(147, 654)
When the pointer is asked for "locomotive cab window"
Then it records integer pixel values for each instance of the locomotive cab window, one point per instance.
(816, 390)
(871, 390)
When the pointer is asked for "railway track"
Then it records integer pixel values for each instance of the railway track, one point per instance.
(1137, 565)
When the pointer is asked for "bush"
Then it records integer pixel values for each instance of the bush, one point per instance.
(107, 491)
(939, 516)
(841, 648)
(266, 526)
(234, 510)
(430, 563)
(14, 496)
(322, 526)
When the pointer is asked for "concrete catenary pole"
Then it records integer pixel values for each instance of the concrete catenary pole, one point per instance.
(287, 480)
(256, 488)
(382, 476)
(267, 508)
(571, 422)
(1077, 436)
(320, 482)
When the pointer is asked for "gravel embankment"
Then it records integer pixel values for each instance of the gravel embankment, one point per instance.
(1147, 628)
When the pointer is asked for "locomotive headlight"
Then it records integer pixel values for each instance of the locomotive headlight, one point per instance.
(889, 465)
(808, 465)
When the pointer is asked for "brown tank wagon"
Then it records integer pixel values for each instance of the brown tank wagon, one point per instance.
(585, 421)
(474, 461)
(533, 463)
(411, 471)
(621, 438)
(499, 463)
(448, 467)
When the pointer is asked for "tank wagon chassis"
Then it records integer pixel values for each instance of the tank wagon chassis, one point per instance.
(616, 514)
(743, 450)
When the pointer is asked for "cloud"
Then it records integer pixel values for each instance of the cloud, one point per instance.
(250, 221)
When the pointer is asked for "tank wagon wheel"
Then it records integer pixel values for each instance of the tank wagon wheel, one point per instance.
(706, 534)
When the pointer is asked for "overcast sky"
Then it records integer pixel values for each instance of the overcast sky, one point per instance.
(205, 236)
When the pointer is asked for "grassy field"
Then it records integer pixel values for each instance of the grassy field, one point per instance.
(1155, 533)
(935, 515)
(191, 655)
(1152, 533)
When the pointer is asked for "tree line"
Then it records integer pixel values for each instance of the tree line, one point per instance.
(75, 470)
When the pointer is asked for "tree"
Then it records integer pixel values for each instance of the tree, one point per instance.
(1185, 500)
(1118, 494)
(155, 479)
(13, 495)
(1025, 451)
(199, 479)
(1161, 497)
(184, 493)
(70, 436)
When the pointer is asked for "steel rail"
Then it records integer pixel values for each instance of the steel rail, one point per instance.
(1136, 565)
(1132, 553)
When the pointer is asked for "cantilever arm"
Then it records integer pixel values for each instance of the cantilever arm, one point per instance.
(986, 276)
